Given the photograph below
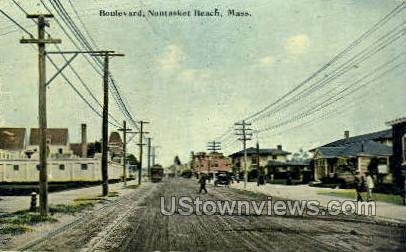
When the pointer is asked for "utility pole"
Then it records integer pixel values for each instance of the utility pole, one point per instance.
(42, 108)
(105, 123)
(125, 130)
(213, 147)
(153, 156)
(140, 144)
(149, 157)
(259, 170)
(245, 135)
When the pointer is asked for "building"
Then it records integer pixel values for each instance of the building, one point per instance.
(57, 141)
(356, 155)
(19, 162)
(265, 155)
(399, 151)
(59, 170)
(115, 146)
(12, 142)
(213, 162)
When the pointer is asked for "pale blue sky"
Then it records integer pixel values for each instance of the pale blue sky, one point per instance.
(194, 77)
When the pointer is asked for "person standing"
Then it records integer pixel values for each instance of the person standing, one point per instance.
(202, 182)
(370, 185)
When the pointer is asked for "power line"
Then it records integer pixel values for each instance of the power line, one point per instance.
(365, 35)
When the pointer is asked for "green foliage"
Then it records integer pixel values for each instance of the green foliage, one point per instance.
(14, 229)
(26, 219)
(132, 160)
(71, 208)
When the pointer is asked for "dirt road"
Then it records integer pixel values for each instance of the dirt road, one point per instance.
(136, 224)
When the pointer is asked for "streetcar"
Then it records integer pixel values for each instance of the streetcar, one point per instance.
(157, 173)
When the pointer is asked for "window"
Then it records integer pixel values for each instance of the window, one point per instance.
(60, 150)
(62, 167)
(38, 167)
(16, 167)
(83, 166)
(274, 157)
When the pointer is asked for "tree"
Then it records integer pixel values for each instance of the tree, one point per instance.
(94, 148)
(176, 161)
(132, 160)
(301, 155)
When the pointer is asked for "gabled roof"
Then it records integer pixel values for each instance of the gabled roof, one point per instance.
(355, 149)
(56, 136)
(12, 138)
(262, 152)
(375, 136)
(115, 139)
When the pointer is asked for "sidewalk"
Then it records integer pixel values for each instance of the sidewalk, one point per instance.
(384, 211)
(10, 204)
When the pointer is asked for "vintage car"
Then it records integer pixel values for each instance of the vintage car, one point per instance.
(222, 178)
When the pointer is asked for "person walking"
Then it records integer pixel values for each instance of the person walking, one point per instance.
(202, 182)
(357, 185)
(370, 185)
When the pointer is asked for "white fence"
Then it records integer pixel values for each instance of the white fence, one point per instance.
(59, 170)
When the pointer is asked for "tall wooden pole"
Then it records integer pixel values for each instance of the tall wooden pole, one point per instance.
(105, 122)
(105, 127)
(42, 108)
(149, 157)
(140, 153)
(141, 145)
(42, 117)
(125, 153)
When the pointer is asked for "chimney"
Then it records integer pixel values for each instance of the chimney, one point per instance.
(84, 141)
(346, 135)
(279, 147)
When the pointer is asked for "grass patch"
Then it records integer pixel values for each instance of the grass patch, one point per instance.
(132, 187)
(112, 194)
(71, 208)
(17, 224)
(14, 229)
(87, 199)
(27, 219)
(389, 198)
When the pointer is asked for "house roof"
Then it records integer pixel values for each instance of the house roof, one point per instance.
(396, 121)
(56, 136)
(262, 152)
(355, 149)
(12, 138)
(375, 136)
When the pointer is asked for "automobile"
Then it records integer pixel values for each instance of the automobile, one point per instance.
(222, 179)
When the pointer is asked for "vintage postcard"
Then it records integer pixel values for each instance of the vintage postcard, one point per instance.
(189, 125)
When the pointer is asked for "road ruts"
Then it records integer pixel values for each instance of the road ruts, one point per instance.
(92, 227)
(134, 223)
(148, 230)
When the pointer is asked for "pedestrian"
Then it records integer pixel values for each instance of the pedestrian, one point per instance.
(370, 185)
(357, 184)
(202, 182)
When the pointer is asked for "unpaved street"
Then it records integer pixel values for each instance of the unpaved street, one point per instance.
(136, 224)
